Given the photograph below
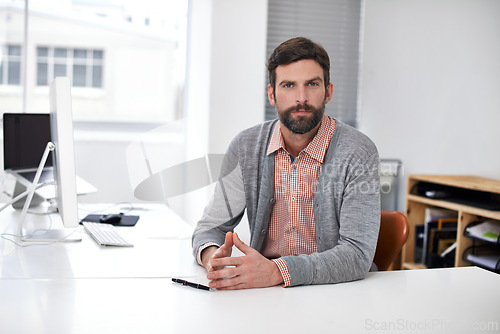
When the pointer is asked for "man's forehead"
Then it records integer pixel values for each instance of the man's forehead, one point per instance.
(306, 69)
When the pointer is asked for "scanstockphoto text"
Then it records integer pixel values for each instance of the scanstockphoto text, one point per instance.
(359, 177)
(434, 325)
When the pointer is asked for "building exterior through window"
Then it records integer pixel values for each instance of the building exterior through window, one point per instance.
(125, 59)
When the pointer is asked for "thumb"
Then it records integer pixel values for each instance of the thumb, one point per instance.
(229, 240)
(240, 244)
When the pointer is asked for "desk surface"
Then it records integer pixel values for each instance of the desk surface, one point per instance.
(457, 300)
(85, 288)
(161, 239)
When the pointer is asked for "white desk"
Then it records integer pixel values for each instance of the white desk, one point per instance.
(160, 237)
(425, 301)
(54, 289)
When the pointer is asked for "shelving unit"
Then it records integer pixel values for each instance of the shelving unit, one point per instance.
(483, 192)
(485, 252)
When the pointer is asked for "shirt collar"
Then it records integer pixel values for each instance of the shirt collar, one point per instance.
(276, 141)
(316, 148)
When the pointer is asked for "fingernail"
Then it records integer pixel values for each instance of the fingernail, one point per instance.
(210, 276)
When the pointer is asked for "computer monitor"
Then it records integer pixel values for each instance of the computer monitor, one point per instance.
(61, 127)
(61, 124)
(21, 152)
(25, 137)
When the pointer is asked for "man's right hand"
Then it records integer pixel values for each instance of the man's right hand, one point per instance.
(217, 252)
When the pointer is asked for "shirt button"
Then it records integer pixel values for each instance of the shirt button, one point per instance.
(293, 198)
(293, 228)
(294, 167)
(263, 231)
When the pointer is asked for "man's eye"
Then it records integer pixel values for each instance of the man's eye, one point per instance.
(288, 85)
(314, 84)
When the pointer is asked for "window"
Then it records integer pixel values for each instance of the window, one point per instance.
(84, 66)
(336, 26)
(125, 58)
(10, 65)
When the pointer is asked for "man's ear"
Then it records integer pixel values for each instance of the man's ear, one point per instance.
(270, 94)
(329, 93)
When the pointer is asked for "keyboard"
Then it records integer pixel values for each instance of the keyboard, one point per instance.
(106, 234)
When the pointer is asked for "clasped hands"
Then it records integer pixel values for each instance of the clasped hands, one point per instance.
(252, 270)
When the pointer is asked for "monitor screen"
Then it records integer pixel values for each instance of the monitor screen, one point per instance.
(24, 139)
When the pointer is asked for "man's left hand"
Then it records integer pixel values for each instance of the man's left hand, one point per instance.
(244, 272)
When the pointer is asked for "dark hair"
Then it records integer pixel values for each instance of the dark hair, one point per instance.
(296, 49)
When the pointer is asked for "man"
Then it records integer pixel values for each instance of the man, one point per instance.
(309, 185)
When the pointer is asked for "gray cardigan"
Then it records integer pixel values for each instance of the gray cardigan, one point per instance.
(346, 204)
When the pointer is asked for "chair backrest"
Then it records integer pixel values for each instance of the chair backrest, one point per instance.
(393, 233)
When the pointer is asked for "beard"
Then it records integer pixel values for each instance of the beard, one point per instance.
(303, 124)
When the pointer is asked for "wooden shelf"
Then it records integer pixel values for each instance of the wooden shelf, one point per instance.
(454, 206)
(461, 181)
(409, 265)
(416, 206)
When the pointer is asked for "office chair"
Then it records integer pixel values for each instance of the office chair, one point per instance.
(393, 233)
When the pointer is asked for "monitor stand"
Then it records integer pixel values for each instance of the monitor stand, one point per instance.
(47, 235)
(51, 236)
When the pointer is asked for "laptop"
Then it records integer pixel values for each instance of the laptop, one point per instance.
(25, 137)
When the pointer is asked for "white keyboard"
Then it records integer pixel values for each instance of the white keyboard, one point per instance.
(106, 234)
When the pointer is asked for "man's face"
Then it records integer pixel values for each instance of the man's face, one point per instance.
(300, 96)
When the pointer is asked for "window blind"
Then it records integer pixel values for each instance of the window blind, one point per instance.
(335, 24)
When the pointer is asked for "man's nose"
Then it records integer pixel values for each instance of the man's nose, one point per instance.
(301, 95)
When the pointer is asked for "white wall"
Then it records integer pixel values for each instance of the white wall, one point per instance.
(227, 67)
(430, 89)
(226, 79)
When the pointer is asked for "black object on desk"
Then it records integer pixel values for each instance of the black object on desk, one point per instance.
(113, 219)
(191, 284)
